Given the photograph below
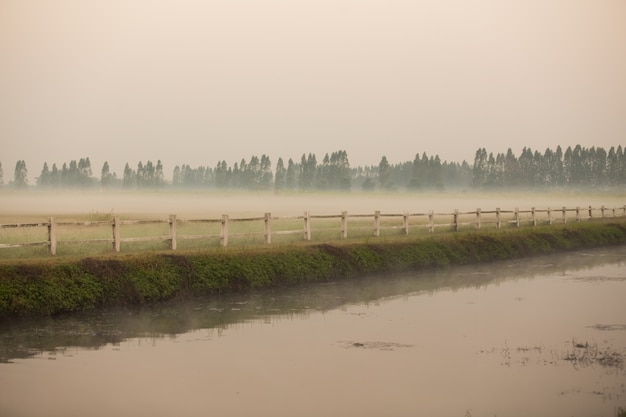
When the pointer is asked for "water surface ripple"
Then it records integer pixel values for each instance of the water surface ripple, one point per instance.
(540, 336)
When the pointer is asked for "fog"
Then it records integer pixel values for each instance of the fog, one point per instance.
(204, 204)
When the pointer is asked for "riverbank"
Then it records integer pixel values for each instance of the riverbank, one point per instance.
(50, 287)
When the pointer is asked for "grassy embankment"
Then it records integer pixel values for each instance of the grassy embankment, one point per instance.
(53, 286)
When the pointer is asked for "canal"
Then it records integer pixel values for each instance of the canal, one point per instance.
(540, 336)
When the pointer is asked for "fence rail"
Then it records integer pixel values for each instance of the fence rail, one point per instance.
(402, 222)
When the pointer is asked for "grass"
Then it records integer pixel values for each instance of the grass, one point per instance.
(242, 234)
(47, 286)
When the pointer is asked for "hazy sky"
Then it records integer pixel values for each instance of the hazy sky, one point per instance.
(195, 82)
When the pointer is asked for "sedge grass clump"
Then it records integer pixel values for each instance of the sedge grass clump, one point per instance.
(98, 216)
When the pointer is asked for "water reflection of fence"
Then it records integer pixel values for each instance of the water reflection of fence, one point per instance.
(360, 225)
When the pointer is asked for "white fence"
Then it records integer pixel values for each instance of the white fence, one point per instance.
(402, 223)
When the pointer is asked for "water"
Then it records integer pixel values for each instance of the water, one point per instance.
(533, 337)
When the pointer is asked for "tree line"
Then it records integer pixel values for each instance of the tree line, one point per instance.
(576, 167)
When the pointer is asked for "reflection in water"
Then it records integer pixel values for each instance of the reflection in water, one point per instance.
(540, 336)
(26, 338)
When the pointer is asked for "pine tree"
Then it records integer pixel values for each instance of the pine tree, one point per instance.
(106, 177)
(621, 164)
(84, 172)
(557, 167)
(323, 174)
(438, 172)
(266, 175)
(129, 178)
(72, 174)
(340, 165)
(417, 174)
(244, 174)
(598, 159)
(291, 178)
(526, 166)
(140, 175)
(149, 177)
(480, 168)
(491, 178)
(511, 169)
(159, 177)
(234, 177)
(176, 176)
(612, 166)
(55, 176)
(280, 178)
(44, 177)
(221, 175)
(384, 174)
(308, 168)
(20, 176)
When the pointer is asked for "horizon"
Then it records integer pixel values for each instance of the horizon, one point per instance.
(319, 158)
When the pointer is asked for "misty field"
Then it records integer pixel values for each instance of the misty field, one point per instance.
(207, 203)
(83, 221)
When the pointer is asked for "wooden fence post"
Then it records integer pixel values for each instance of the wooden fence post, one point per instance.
(52, 237)
(307, 226)
(116, 234)
(534, 217)
(564, 215)
(577, 214)
(431, 222)
(268, 228)
(516, 217)
(498, 223)
(549, 216)
(377, 223)
(344, 224)
(224, 233)
(455, 220)
(602, 211)
(405, 222)
(173, 231)
(478, 218)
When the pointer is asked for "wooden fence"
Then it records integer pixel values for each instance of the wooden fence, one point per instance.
(401, 223)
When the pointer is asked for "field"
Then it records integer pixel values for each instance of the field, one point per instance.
(83, 221)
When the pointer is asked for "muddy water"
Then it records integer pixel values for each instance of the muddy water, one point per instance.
(545, 336)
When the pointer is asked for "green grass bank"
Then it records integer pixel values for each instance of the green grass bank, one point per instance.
(49, 287)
